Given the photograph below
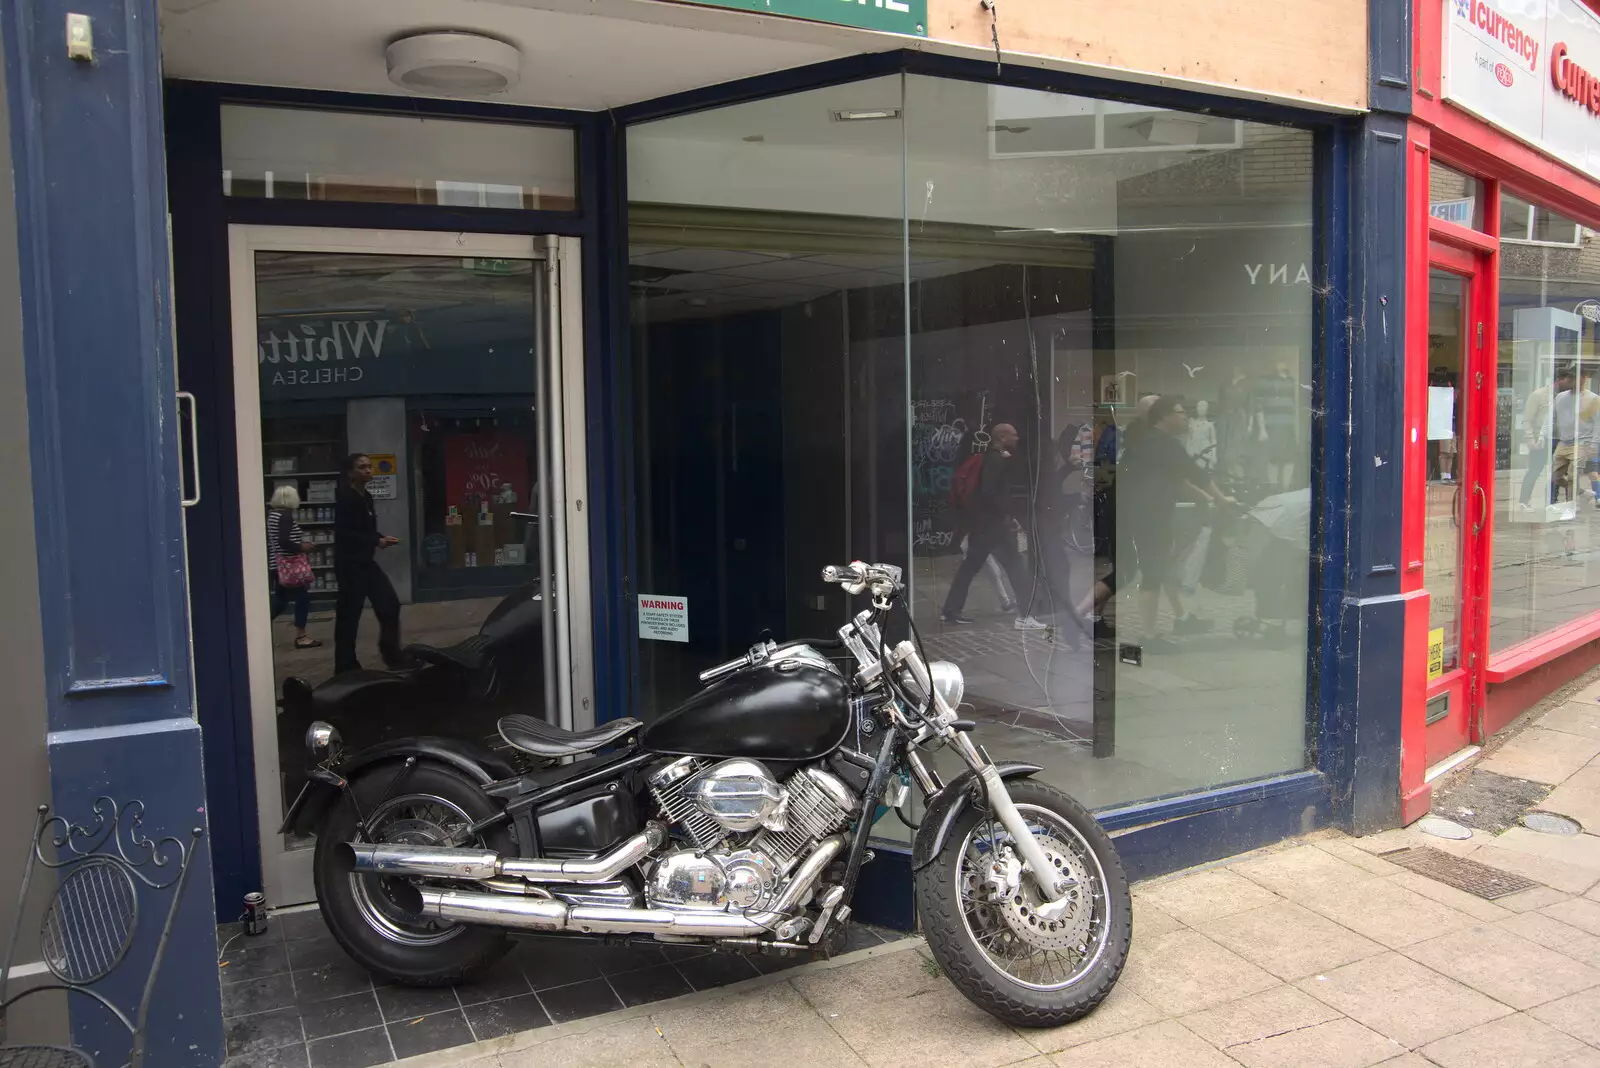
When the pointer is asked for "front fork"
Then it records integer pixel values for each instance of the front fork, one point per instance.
(1052, 885)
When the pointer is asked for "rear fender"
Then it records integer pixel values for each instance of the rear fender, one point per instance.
(479, 764)
(947, 805)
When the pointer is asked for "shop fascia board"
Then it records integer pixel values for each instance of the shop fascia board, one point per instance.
(845, 40)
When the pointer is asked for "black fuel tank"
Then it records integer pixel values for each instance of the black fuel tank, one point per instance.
(787, 710)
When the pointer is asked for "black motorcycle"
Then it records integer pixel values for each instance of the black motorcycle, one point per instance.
(740, 820)
(500, 669)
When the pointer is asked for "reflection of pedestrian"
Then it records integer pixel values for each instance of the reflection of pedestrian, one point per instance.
(285, 538)
(1575, 413)
(1156, 473)
(355, 544)
(991, 530)
(1536, 425)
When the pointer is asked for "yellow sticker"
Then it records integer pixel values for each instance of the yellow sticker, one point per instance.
(1435, 653)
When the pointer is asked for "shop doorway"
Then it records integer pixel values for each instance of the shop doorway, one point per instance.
(441, 373)
(1457, 493)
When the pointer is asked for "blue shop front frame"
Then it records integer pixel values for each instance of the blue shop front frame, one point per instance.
(1352, 779)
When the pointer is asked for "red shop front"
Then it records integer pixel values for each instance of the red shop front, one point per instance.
(1502, 509)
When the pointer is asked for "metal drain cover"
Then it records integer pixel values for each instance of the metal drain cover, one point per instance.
(1460, 872)
(1551, 823)
(1442, 828)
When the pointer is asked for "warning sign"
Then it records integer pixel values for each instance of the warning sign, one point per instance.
(1435, 653)
(663, 619)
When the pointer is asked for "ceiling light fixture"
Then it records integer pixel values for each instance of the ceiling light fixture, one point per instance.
(864, 114)
(454, 64)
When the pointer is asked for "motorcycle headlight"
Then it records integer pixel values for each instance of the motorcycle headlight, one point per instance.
(322, 739)
(948, 682)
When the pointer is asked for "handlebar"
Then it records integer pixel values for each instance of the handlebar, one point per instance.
(857, 577)
(738, 663)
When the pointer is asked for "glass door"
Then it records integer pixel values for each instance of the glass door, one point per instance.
(410, 503)
(1457, 497)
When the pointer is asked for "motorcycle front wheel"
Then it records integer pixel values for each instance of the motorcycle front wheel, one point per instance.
(366, 913)
(979, 911)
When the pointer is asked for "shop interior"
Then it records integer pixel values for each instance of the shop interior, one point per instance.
(838, 296)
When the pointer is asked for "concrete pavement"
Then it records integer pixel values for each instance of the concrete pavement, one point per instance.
(1317, 953)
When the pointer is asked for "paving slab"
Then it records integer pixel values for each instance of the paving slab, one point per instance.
(631, 1042)
(1542, 755)
(1289, 940)
(1401, 999)
(1505, 966)
(1185, 972)
(1445, 894)
(1577, 1014)
(1581, 913)
(1551, 933)
(1532, 900)
(1518, 1041)
(1121, 1011)
(1575, 717)
(1161, 1045)
(1207, 895)
(1579, 850)
(1387, 913)
(1301, 872)
(767, 1025)
(1556, 874)
(1271, 1012)
(1336, 1044)
(856, 1000)
(1578, 797)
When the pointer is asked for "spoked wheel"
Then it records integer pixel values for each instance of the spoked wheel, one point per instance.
(366, 913)
(982, 912)
(410, 819)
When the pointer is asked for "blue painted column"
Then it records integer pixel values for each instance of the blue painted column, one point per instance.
(103, 424)
(1362, 609)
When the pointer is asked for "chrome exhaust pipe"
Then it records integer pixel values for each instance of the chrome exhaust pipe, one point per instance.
(544, 914)
(439, 862)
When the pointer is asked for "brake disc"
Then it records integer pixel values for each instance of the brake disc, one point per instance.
(1020, 906)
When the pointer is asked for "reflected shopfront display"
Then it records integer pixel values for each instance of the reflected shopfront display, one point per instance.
(400, 459)
(1066, 341)
(1546, 553)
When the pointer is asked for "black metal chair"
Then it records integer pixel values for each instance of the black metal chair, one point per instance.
(93, 915)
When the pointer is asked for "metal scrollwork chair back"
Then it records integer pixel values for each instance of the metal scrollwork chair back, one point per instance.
(92, 917)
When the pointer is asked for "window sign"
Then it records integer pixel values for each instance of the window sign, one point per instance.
(663, 619)
(1531, 67)
(1455, 211)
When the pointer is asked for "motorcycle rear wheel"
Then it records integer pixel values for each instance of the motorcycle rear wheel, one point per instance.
(430, 802)
(983, 928)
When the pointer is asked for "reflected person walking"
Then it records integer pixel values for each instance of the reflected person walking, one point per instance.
(992, 531)
(356, 541)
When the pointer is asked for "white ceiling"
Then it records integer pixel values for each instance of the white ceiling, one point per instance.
(694, 283)
(582, 54)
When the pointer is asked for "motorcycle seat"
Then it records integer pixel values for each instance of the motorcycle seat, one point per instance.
(469, 655)
(542, 739)
(330, 698)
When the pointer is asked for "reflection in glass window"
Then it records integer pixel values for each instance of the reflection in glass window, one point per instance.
(1524, 222)
(399, 460)
(303, 154)
(1546, 551)
(1103, 311)
(1455, 197)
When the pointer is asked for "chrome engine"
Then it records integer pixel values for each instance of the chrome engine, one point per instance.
(747, 830)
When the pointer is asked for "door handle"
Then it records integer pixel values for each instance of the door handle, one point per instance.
(1483, 508)
(194, 445)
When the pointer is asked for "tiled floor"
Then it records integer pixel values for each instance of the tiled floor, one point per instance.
(293, 998)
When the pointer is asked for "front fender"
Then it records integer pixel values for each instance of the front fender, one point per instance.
(481, 765)
(948, 804)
